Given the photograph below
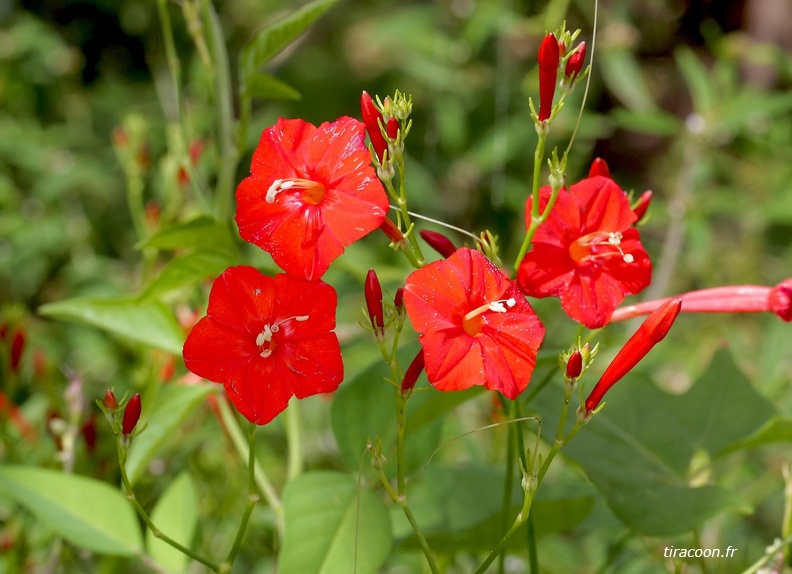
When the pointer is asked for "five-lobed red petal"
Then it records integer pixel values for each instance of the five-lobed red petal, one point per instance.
(311, 192)
(463, 345)
(261, 372)
(587, 253)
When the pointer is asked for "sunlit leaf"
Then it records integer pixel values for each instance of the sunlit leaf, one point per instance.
(186, 270)
(200, 232)
(88, 513)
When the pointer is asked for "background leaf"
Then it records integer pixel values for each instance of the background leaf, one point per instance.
(333, 525)
(149, 322)
(88, 513)
(164, 414)
(175, 514)
(186, 270)
(201, 232)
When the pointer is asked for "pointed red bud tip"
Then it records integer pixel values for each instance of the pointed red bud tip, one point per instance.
(373, 292)
(131, 414)
(575, 62)
(642, 205)
(548, 57)
(599, 167)
(17, 345)
(780, 300)
(394, 233)
(371, 119)
(110, 400)
(398, 299)
(439, 242)
(413, 372)
(574, 365)
(651, 332)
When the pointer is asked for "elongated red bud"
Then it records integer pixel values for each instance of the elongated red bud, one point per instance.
(371, 119)
(110, 400)
(599, 167)
(89, 434)
(439, 242)
(393, 232)
(373, 292)
(413, 372)
(131, 414)
(574, 365)
(17, 346)
(548, 57)
(398, 299)
(651, 332)
(642, 205)
(575, 62)
(392, 127)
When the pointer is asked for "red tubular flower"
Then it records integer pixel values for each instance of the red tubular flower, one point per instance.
(587, 253)
(642, 205)
(413, 372)
(17, 346)
(266, 339)
(575, 62)
(439, 242)
(652, 331)
(548, 57)
(372, 117)
(311, 193)
(131, 414)
(729, 299)
(373, 292)
(599, 167)
(475, 327)
(394, 233)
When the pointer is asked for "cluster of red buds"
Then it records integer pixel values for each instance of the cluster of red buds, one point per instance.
(555, 59)
(123, 416)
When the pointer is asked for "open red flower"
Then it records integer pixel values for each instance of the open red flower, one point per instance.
(587, 253)
(476, 328)
(311, 193)
(266, 339)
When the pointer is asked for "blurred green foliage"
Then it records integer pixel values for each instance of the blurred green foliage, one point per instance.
(104, 157)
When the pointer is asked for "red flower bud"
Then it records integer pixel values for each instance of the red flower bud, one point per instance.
(17, 345)
(110, 400)
(548, 58)
(413, 372)
(392, 127)
(780, 300)
(642, 205)
(574, 365)
(439, 242)
(599, 167)
(371, 118)
(651, 332)
(373, 292)
(131, 414)
(575, 62)
(398, 299)
(89, 434)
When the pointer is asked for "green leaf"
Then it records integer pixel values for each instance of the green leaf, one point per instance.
(656, 122)
(640, 450)
(202, 232)
(176, 515)
(777, 429)
(697, 78)
(88, 513)
(275, 37)
(365, 409)
(332, 525)
(624, 77)
(149, 322)
(186, 270)
(164, 414)
(264, 86)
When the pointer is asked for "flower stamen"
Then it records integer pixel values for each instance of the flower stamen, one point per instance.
(313, 191)
(590, 247)
(472, 322)
(264, 340)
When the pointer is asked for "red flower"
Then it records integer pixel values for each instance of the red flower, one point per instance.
(311, 192)
(266, 339)
(476, 328)
(652, 331)
(548, 57)
(727, 299)
(587, 252)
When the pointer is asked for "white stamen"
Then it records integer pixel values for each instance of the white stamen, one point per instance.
(511, 302)
(628, 258)
(277, 186)
(301, 318)
(498, 306)
(265, 336)
(614, 238)
(266, 353)
(275, 328)
(256, 292)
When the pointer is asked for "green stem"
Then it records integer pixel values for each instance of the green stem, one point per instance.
(263, 483)
(770, 553)
(537, 173)
(401, 425)
(521, 519)
(253, 499)
(130, 494)
(401, 202)
(294, 462)
(786, 522)
(170, 54)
